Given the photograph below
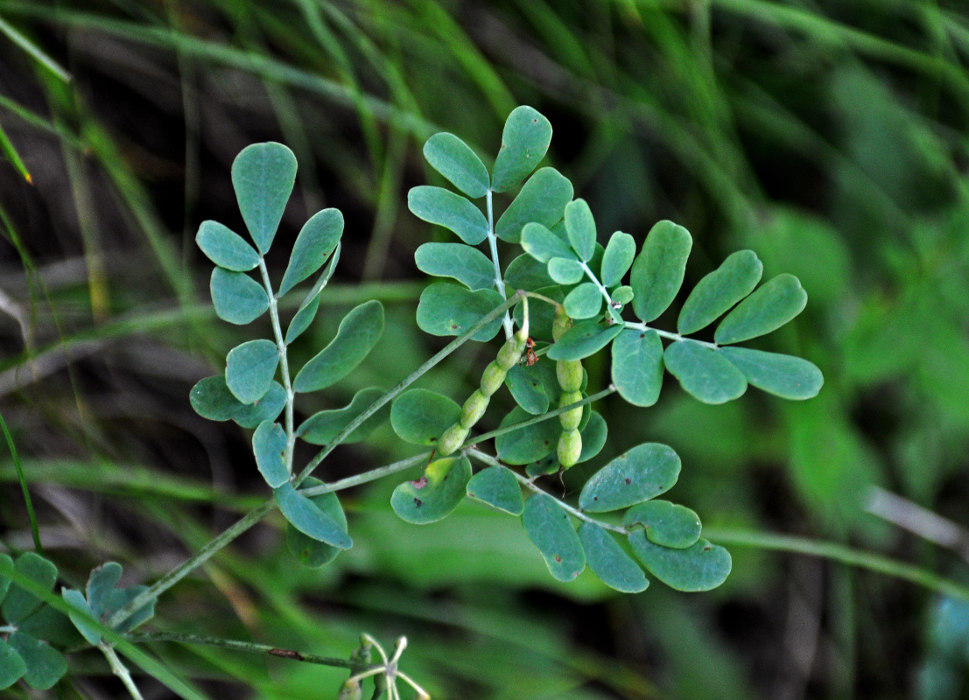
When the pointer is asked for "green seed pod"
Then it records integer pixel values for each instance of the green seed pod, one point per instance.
(570, 419)
(569, 448)
(560, 323)
(452, 439)
(569, 373)
(474, 408)
(511, 351)
(492, 378)
(350, 690)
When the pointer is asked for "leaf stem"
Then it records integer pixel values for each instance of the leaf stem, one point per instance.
(283, 364)
(493, 247)
(249, 647)
(613, 311)
(120, 670)
(669, 334)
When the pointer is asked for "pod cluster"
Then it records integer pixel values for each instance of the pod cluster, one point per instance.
(491, 380)
(569, 374)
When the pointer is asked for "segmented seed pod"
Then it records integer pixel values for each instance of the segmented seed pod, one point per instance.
(491, 379)
(569, 448)
(569, 375)
(570, 419)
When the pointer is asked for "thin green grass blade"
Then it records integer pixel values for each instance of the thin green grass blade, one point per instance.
(21, 477)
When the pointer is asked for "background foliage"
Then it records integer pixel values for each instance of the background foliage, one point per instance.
(829, 137)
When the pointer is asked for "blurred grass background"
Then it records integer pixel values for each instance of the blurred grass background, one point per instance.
(830, 137)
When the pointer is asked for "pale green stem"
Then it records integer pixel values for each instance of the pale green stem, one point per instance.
(254, 516)
(372, 475)
(120, 670)
(8, 629)
(493, 246)
(236, 645)
(613, 311)
(283, 365)
(669, 334)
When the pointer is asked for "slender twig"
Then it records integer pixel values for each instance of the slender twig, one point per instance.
(283, 365)
(493, 248)
(120, 670)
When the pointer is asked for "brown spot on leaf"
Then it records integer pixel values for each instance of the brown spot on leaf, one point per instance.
(628, 481)
(558, 559)
(420, 483)
(418, 502)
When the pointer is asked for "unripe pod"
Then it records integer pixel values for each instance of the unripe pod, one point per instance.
(560, 323)
(569, 374)
(350, 690)
(492, 378)
(569, 448)
(452, 439)
(511, 352)
(570, 419)
(474, 408)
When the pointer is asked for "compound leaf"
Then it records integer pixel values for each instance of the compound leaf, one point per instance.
(541, 200)
(467, 265)
(419, 416)
(584, 301)
(12, 665)
(308, 518)
(19, 603)
(658, 270)
(617, 258)
(529, 444)
(435, 494)
(323, 427)
(263, 175)
(226, 248)
(250, 368)
(549, 529)
(524, 141)
(581, 228)
(703, 372)
(455, 160)
(637, 366)
(543, 245)
(497, 487)
(782, 375)
(609, 562)
(637, 475)
(45, 665)
(443, 207)
(359, 331)
(527, 389)
(311, 552)
(267, 408)
(316, 241)
(718, 291)
(583, 339)
(701, 567)
(666, 524)
(449, 309)
(237, 297)
(269, 448)
(775, 303)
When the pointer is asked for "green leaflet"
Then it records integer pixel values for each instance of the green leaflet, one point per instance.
(527, 389)
(718, 291)
(543, 245)
(76, 600)
(250, 368)
(609, 562)
(269, 448)
(581, 229)
(45, 665)
(455, 160)
(782, 375)
(438, 491)
(323, 427)
(12, 666)
(525, 272)
(263, 175)
(18, 603)
(584, 301)
(439, 206)
(637, 366)
(101, 584)
(449, 309)
(565, 270)
(266, 408)
(637, 475)
(529, 444)
(308, 518)
(316, 241)
(211, 399)
(617, 258)
(658, 270)
(702, 567)
(703, 372)
(226, 248)
(775, 303)
(359, 331)
(583, 339)
(594, 434)
(524, 141)
(666, 524)
(549, 529)
(467, 265)
(497, 487)
(311, 552)
(237, 297)
(622, 295)
(542, 200)
(419, 416)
